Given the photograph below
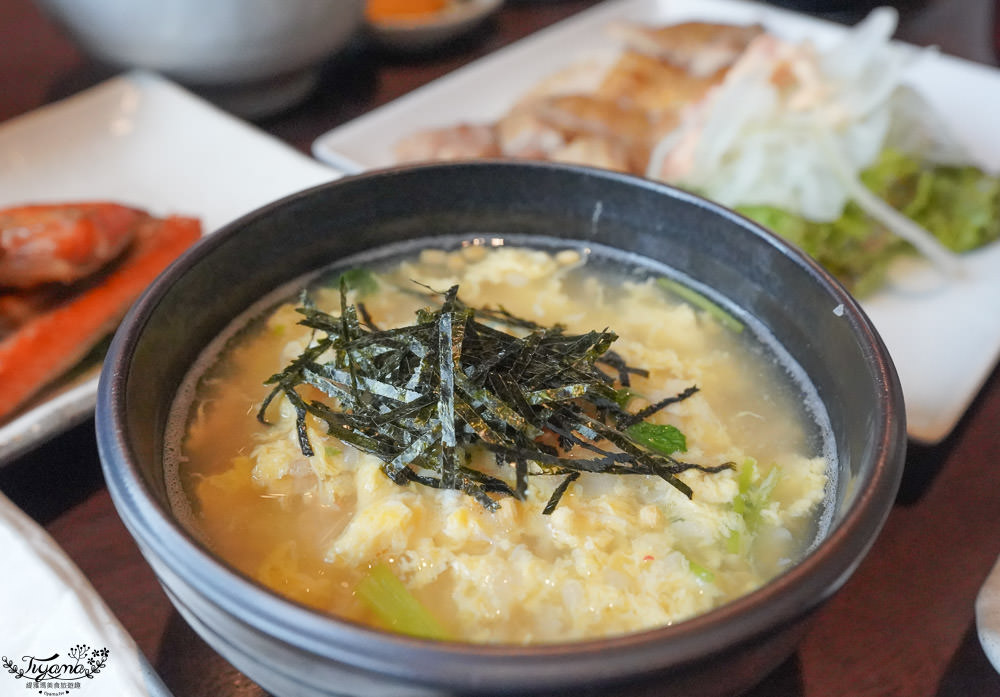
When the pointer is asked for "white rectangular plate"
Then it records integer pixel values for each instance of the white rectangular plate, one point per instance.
(943, 337)
(139, 140)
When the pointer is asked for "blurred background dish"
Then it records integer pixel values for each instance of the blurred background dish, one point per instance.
(405, 25)
(253, 57)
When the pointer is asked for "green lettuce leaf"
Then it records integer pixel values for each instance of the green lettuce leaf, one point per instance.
(958, 205)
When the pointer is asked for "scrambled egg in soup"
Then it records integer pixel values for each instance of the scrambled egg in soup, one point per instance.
(618, 553)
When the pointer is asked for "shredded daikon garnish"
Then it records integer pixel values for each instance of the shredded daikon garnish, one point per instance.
(793, 126)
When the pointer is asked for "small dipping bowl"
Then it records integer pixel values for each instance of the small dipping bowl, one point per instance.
(292, 650)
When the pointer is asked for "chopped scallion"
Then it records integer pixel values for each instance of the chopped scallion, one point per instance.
(395, 606)
(696, 299)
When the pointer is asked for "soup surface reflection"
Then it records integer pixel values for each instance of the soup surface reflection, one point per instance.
(618, 553)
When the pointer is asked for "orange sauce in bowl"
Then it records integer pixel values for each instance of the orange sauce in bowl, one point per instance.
(387, 10)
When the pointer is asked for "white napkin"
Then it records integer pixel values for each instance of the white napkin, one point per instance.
(56, 630)
(988, 616)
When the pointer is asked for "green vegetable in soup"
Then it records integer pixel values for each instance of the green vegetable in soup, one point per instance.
(702, 572)
(359, 279)
(701, 302)
(754, 493)
(665, 439)
(396, 608)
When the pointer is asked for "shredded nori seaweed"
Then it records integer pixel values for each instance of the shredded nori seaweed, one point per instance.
(419, 397)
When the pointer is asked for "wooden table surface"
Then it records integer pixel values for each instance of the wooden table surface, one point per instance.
(903, 626)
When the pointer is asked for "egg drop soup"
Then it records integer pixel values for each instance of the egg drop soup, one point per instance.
(618, 552)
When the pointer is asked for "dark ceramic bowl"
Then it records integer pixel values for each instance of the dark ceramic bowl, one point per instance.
(291, 650)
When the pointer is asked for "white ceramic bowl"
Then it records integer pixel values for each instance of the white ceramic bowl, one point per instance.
(251, 56)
